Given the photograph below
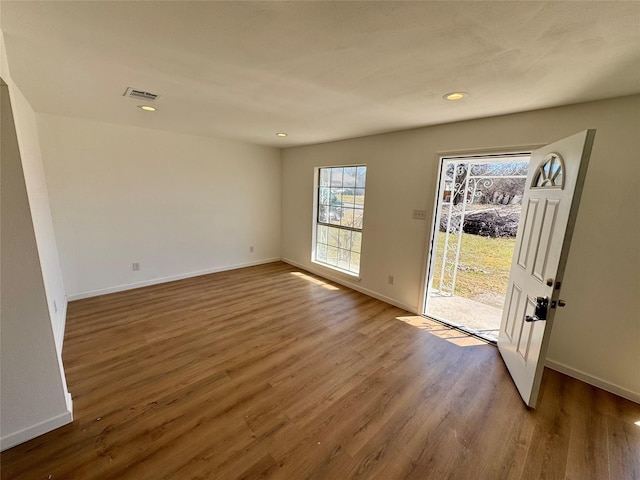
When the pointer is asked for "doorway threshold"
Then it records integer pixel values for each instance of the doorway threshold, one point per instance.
(489, 336)
(472, 315)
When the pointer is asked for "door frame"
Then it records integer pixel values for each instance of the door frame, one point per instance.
(429, 244)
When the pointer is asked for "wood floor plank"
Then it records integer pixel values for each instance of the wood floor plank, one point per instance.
(272, 372)
(587, 460)
(623, 440)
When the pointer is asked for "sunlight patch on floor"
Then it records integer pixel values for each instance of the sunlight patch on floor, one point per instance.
(315, 281)
(451, 335)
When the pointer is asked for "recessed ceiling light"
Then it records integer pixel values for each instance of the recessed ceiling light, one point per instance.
(281, 134)
(454, 96)
(147, 108)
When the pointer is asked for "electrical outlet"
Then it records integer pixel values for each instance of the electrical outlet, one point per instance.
(135, 266)
(390, 280)
(251, 249)
(419, 214)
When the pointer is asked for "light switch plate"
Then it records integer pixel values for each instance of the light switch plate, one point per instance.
(419, 214)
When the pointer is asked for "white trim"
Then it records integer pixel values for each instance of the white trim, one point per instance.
(314, 229)
(314, 219)
(36, 430)
(63, 325)
(427, 263)
(69, 401)
(477, 155)
(171, 278)
(490, 151)
(334, 269)
(353, 286)
(593, 380)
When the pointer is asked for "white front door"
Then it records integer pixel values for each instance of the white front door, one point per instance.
(549, 210)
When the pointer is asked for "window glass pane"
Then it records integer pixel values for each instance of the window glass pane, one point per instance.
(355, 262)
(335, 215)
(356, 241)
(332, 236)
(558, 180)
(358, 199)
(325, 177)
(344, 258)
(332, 255)
(336, 177)
(344, 240)
(357, 218)
(349, 178)
(323, 214)
(335, 197)
(321, 253)
(324, 196)
(321, 235)
(347, 217)
(361, 175)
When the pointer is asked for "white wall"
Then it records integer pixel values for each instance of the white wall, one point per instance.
(178, 204)
(597, 336)
(33, 392)
(28, 139)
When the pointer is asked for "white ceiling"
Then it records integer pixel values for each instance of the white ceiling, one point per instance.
(320, 71)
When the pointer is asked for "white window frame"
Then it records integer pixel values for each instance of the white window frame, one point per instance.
(317, 223)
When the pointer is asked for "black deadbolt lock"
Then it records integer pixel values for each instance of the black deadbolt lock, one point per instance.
(541, 310)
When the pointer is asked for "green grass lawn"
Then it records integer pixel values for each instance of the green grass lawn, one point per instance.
(483, 267)
(358, 200)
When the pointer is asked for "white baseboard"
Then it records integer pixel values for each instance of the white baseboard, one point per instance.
(352, 285)
(34, 431)
(592, 380)
(69, 401)
(156, 281)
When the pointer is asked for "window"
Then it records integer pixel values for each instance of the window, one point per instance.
(340, 210)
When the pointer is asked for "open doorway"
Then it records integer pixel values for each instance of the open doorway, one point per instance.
(472, 242)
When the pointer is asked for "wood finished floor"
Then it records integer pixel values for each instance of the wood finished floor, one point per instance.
(271, 372)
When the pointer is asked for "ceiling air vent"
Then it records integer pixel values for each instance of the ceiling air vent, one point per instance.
(140, 95)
